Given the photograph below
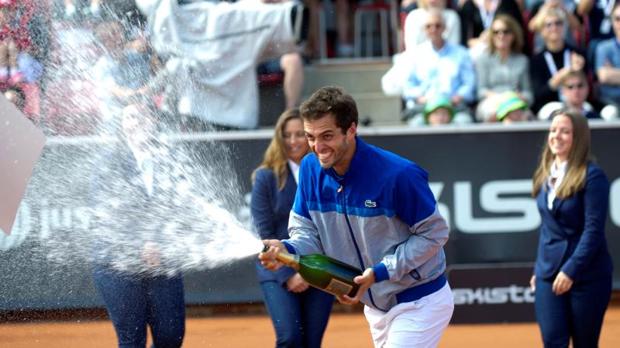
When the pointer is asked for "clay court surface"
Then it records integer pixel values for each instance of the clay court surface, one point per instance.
(345, 330)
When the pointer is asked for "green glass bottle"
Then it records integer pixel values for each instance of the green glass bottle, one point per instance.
(323, 272)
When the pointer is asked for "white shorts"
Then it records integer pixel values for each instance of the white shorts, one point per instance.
(416, 324)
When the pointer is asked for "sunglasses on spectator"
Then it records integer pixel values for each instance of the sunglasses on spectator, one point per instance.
(556, 23)
(579, 85)
(433, 25)
(501, 31)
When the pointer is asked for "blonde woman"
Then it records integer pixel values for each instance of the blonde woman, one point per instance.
(573, 272)
(299, 313)
(549, 67)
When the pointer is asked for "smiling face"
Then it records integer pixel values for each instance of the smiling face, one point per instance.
(294, 138)
(560, 140)
(332, 147)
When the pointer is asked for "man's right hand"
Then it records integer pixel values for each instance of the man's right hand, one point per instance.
(268, 258)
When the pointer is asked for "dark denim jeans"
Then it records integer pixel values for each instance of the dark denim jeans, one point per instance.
(577, 314)
(299, 319)
(133, 302)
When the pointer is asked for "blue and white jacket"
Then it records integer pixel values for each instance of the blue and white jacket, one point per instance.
(380, 214)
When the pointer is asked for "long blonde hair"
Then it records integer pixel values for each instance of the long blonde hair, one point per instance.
(275, 156)
(578, 158)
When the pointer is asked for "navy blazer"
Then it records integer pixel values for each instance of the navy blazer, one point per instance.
(270, 211)
(572, 234)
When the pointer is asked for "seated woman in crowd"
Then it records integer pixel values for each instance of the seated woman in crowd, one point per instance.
(549, 67)
(502, 67)
(568, 7)
(476, 19)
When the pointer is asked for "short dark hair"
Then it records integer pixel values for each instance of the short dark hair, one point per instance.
(331, 100)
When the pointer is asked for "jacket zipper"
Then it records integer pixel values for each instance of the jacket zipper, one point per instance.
(357, 249)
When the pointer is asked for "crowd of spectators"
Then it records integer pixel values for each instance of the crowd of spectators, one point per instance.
(529, 59)
(466, 61)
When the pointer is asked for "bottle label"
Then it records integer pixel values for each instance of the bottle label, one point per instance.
(338, 287)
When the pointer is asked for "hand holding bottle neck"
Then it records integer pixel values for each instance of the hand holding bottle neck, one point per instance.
(288, 259)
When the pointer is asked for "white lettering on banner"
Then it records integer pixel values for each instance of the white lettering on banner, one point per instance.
(491, 200)
(21, 228)
(614, 202)
(44, 219)
(497, 295)
(48, 220)
(437, 188)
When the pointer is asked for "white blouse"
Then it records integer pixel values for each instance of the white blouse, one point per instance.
(555, 180)
(295, 169)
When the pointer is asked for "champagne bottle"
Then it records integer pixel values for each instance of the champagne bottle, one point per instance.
(323, 272)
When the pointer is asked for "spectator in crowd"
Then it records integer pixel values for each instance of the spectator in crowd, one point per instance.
(574, 90)
(597, 15)
(396, 237)
(118, 73)
(14, 38)
(92, 9)
(439, 111)
(607, 65)
(476, 19)
(291, 65)
(568, 8)
(128, 197)
(549, 67)
(414, 24)
(344, 27)
(214, 81)
(439, 68)
(512, 109)
(573, 272)
(502, 67)
(299, 313)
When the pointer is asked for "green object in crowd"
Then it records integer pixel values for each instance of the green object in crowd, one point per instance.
(509, 102)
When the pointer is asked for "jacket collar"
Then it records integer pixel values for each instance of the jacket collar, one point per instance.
(361, 148)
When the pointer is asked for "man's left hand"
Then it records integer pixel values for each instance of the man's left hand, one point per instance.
(364, 281)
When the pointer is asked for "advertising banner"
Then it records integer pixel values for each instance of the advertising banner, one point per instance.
(481, 177)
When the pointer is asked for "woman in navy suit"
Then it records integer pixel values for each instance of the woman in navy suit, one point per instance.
(299, 313)
(139, 286)
(573, 272)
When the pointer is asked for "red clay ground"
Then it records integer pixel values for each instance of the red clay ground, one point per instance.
(345, 330)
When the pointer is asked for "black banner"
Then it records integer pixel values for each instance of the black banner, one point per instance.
(480, 175)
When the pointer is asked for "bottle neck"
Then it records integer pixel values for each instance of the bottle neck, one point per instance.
(289, 259)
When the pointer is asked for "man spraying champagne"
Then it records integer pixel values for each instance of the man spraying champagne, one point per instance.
(372, 209)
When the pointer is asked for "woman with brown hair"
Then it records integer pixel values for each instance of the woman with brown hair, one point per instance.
(299, 313)
(502, 68)
(573, 272)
